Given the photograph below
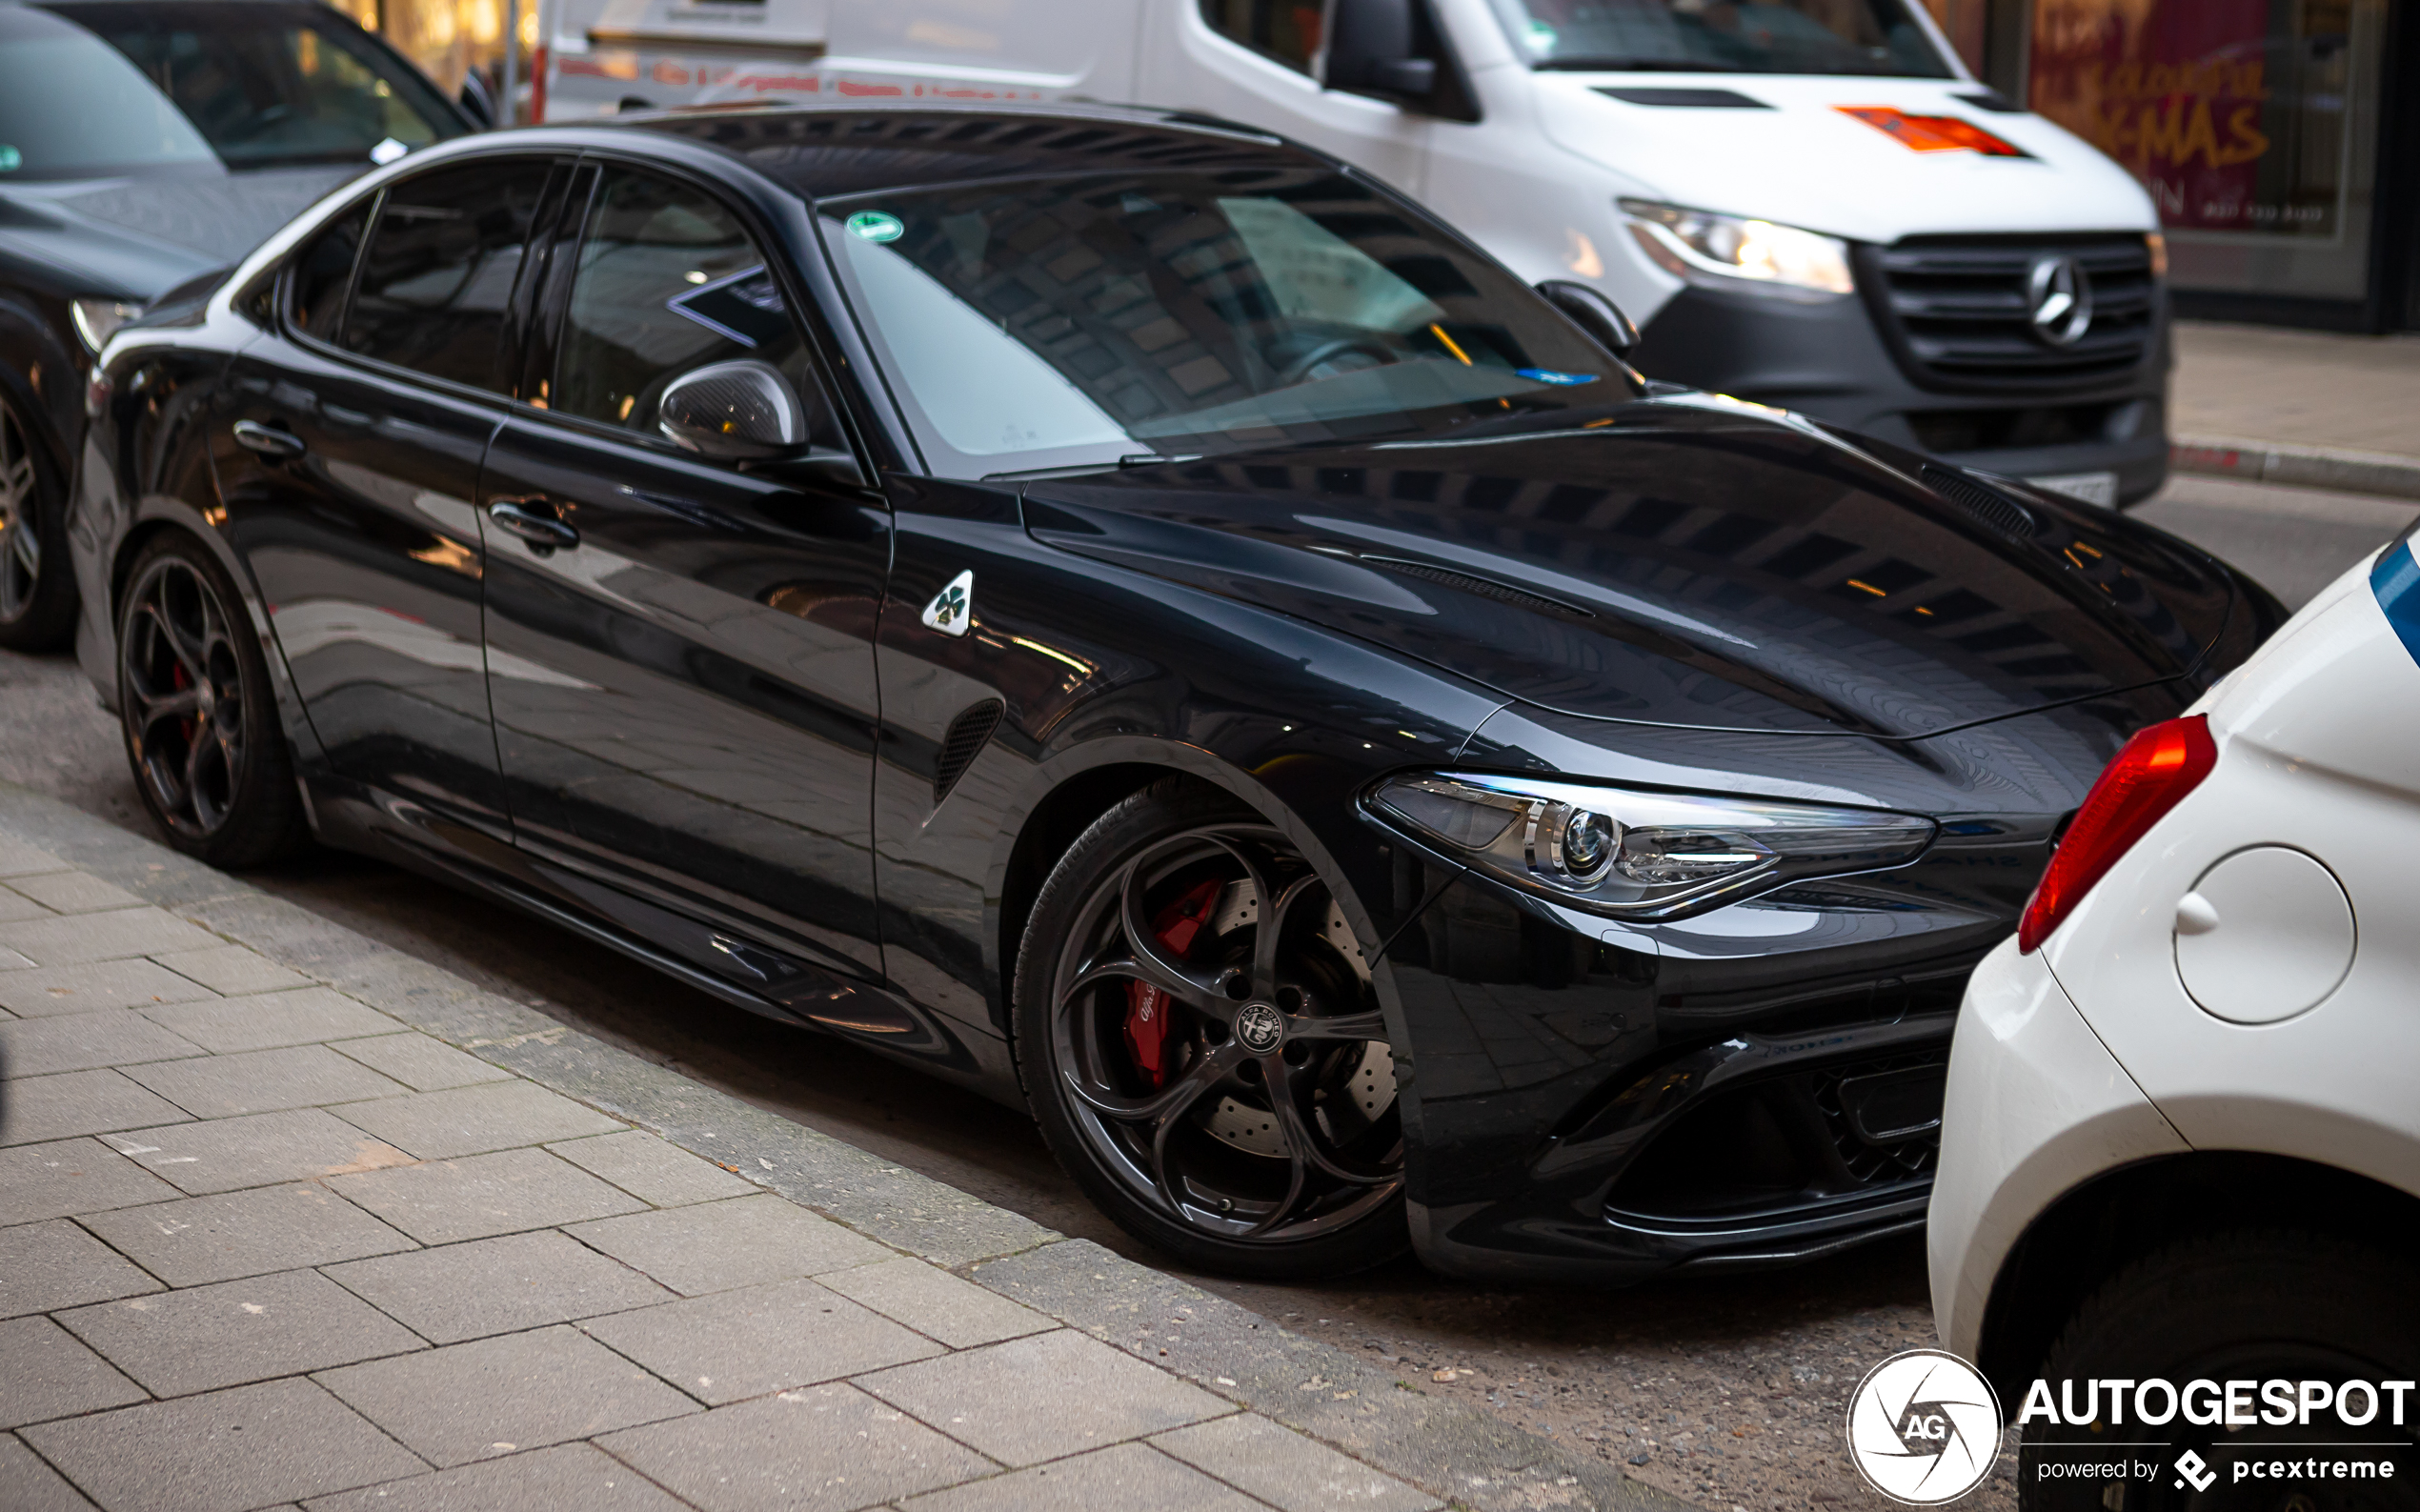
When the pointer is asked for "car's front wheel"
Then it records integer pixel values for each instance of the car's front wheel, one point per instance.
(2257, 1306)
(201, 722)
(37, 591)
(1203, 1047)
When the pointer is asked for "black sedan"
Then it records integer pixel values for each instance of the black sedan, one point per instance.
(1135, 617)
(143, 143)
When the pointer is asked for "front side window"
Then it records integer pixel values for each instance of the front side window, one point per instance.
(439, 269)
(274, 84)
(1066, 323)
(1864, 37)
(324, 273)
(668, 282)
(1288, 31)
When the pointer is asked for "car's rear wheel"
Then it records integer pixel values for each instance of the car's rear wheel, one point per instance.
(37, 589)
(201, 723)
(2258, 1306)
(1201, 1045)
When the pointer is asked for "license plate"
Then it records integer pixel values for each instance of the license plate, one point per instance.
(2094, 488)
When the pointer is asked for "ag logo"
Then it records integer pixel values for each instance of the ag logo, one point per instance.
(1924, 1427)
(953, 608)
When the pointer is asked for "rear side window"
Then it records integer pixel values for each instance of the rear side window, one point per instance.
(1288, 31)
(324, 272)
(438, 273)
(668, 282)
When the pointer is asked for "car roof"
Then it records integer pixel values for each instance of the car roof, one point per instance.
(828, 152)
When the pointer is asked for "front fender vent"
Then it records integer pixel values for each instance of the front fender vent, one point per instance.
(1484, 587)
(968, 733)
(1984, 503)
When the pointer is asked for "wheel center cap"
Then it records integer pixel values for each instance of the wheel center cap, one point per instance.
(1259, 1026)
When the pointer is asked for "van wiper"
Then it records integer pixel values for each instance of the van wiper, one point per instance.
(1616, 65)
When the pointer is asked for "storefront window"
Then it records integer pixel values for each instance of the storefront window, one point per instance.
(2253, 123)
(446, 38)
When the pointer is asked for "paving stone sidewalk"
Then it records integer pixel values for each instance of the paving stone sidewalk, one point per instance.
(290, 1218)
(2305, 409)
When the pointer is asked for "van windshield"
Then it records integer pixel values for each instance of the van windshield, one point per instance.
(1076, 322)
(1873, 38)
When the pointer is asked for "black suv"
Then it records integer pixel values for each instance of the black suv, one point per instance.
(144, 145)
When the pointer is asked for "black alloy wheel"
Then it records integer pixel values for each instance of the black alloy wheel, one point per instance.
(201, 723)
(37, 592)
(1202, 1044)
(2256, 1305)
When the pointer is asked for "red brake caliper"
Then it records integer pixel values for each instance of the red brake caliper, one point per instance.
(1178, 925)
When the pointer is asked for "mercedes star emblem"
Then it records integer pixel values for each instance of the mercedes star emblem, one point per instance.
(2059, 295)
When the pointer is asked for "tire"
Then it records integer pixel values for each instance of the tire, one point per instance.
(2260, 1305)
(37, 582)
(1203, 1161)
(202, 732)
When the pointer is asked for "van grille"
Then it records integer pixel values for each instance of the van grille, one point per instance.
(1956, 310)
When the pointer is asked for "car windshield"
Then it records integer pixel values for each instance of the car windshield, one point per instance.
(1076, 322)
(1865, 37)
(263, 85)
(70, 108)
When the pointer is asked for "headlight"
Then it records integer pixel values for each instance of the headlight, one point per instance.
(1637, 854)
(1731, 252)
(96, 320)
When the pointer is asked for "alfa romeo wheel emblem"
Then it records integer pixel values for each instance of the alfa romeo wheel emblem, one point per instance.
(1259, 1027)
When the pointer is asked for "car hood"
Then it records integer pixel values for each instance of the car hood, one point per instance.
(1685, 561)
(136, 239)
(1791, 153)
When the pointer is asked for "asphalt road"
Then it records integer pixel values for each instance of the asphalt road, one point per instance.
(1730, 1392)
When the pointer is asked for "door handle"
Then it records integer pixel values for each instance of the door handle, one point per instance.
(269, 440)
(535, 522)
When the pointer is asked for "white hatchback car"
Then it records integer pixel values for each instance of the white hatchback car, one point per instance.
(2182, 1132)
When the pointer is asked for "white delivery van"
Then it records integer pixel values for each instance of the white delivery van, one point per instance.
(1808, 203)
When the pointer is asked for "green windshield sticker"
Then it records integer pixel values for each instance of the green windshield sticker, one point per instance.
(11, 159)
(875, 225)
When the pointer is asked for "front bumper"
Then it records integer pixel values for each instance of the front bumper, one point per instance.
(2036, 1107)
(1827, 360)
(1756, 1086)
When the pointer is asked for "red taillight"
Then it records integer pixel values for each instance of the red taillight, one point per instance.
(2155, 770)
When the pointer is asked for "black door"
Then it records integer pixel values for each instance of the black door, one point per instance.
(679, 651)
(349, 464)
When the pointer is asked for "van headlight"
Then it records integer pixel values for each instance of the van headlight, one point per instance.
(1731, 251)
(1633, 854)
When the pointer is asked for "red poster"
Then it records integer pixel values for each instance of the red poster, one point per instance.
(2180, 92)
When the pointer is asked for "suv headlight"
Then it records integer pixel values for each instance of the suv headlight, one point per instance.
(1730, 252)
(96, 320)
(1632, 854)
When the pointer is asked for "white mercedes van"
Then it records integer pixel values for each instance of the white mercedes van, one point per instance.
(1807, 203)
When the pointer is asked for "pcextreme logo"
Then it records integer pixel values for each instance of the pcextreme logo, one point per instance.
(1924, 1427)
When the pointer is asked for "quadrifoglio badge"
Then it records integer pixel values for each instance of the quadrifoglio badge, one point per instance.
(1925, 1428)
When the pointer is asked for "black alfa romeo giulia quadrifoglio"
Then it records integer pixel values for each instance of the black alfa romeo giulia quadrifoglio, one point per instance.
(1135, 617)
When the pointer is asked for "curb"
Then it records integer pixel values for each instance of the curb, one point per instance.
(1467, 1458)
(2297, 466)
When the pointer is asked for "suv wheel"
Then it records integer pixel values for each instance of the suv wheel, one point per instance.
(37, 587)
